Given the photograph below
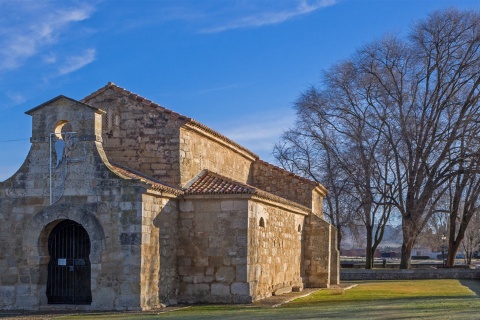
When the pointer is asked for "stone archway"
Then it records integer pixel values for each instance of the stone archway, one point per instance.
(38, 230)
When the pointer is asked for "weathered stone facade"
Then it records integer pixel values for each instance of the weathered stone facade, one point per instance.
(171, 212)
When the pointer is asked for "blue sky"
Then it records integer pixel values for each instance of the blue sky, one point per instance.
(235, 65)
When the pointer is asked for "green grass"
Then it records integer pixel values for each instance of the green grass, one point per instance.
(420, 299)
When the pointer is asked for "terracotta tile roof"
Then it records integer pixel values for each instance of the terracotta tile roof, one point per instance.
(155, 184)
(149, 103)
(208, 182)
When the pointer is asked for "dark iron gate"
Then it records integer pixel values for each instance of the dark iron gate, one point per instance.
(69, 268)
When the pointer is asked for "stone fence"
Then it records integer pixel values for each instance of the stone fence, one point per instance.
(411, 274)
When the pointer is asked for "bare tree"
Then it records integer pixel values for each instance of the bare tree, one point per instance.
(316, 160)
(331, 137)
(399, 110)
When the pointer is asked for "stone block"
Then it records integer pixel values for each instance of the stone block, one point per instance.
(240, 205)
(226, 205)
(27, 302)
(200, 261)
(283, 290)
(216, 261)
(220, 289)
(210, 271)
(240, 289)
(132, 302)
(184, 261)
(23, 290)
(186, 206)
(8, 279)
(225, 274)
(241, 273)
(198, 289)
(7, 296)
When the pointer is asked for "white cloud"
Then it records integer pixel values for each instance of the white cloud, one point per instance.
(49, 58)
(74, 63)
(272, 17)
(33, 27)
(17, 98)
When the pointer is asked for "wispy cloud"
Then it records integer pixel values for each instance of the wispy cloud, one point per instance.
(271, 17)
(41, 26)
(259, 135)
(74, 63)
(16, 97)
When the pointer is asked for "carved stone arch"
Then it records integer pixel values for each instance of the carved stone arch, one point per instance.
(39, 228)
(37, 232)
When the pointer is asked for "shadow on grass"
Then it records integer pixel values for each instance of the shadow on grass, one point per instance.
(473, 285)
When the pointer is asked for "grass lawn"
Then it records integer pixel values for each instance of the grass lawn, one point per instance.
(418, 299)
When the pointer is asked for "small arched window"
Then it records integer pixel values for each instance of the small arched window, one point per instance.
(262, 223)
(299, 228)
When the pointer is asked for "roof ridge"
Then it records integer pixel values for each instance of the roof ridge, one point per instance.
(137, 97)
(62, 97)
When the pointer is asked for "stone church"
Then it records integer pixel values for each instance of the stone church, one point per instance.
(122, 204)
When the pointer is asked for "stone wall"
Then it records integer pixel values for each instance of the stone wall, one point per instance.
(320, 253)
(165, 224)
(199, 151)
(334, 257)
(86, 191)
(275, 249)
(411, 274)
(140, 136)
(212, 251)
(283, 183)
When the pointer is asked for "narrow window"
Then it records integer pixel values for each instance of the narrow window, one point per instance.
(262, 223)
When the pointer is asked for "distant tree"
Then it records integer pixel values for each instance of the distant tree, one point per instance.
(471, 240)
(396, 114)
(464, 192)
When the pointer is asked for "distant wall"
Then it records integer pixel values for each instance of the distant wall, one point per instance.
(412, 274)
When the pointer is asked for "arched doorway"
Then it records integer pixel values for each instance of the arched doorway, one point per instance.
(69, 267)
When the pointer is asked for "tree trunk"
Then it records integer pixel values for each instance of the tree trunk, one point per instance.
(408, 242)
(368, 250)
(452, 253)
(339, 238)
(406, 255)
